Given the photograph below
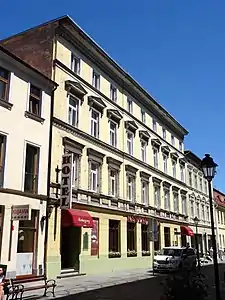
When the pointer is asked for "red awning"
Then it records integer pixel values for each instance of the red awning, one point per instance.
(76, 218)
(185, 230)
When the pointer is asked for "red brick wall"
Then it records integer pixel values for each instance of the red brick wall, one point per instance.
(35, 47)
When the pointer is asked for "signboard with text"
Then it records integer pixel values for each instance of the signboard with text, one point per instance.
(21, 212)
(94, 237)
(66, 181)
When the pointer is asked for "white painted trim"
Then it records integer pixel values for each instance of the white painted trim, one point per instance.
(28, 96)
(10, 87)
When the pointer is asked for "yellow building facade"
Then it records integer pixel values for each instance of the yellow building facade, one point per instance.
(125, 157)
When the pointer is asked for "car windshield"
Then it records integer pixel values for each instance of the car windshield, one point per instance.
(170, 252)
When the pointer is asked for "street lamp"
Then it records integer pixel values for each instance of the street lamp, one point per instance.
(208, 167)
(196, 220)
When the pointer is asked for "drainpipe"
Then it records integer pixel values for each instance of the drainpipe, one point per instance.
(48, 179)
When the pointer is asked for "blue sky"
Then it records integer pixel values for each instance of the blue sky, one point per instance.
(174, 48)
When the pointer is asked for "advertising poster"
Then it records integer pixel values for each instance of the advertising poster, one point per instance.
(94, 238)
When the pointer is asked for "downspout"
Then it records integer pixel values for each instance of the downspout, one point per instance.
(48, 179)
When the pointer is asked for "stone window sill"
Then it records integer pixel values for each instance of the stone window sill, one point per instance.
(6, 104)
(34, 117)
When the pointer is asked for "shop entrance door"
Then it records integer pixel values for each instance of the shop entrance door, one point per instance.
(70, 247)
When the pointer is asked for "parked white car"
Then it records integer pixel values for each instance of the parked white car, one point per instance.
(174, 258)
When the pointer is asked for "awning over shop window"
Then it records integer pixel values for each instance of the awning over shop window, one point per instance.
(76, 218)
(185, 230)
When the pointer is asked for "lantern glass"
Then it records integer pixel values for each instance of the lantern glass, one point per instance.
(208, 167)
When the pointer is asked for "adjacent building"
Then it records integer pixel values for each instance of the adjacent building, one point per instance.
(198, 203)
(25, 101)
(116, 153)
(219, 199)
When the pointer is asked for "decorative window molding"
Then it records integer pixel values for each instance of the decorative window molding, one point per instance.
(131, 182)
(182, 161)
(165, 149)
(156, 143)
(145, 176)
(114, 115)
(174, 155)
(76, 89)
(113, 163)
(73, 146)
(166, 185)
(131, 170)
(175, 189)
(156, 181)
(144, 135)
(96, 103)
(131, 126)
(95, 155)
(96, 158)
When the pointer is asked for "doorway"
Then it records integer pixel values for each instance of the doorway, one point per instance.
(70, 248)
(167, 236)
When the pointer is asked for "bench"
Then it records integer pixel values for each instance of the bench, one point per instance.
(16, 287)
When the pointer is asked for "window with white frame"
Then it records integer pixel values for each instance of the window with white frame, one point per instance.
(184, 205)
(172, 140)
(113, 93)
(130, 142)
(203, 212)
(154, 125)
(157, 196)
(73, 112)
(205, 184)
(96, 80)
(218, 216)
(164, 133)
(176, 202)
(94, 176)
(113, 174)
(174, 167)
(143, 116)
(165, 163)
(143, 150)
(196, 181)
(167, 199)
(190, 178)
(182, 173)
(129, 105)
(95, 123)
(75, 64)
(192, 208)
(198, 210)
(200, 184)
(113, 133)
(180, 146)
(131, 187)
(144, 192)
(156, 157)
(207, 213)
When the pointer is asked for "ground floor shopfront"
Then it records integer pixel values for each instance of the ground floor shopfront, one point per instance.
(202, 238)
(95, 241)
(22, 231)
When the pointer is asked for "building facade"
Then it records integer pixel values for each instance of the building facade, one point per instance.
(219, 199)
(25, 100)
(121, 152)
(198, 202)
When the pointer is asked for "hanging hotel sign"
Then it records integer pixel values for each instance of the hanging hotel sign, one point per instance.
(66, 181)
(21, 212)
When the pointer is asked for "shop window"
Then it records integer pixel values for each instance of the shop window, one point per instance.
(145, 240)
(114, 239)
(131, 239)
(31, 169)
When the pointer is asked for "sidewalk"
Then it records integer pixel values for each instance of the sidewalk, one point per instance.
(79, 284)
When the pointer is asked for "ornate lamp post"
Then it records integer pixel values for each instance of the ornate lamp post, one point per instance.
(208, 167)
(196, 220)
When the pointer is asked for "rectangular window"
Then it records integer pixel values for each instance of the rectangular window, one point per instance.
(4, 84)
(166, 199)
(113, 178)
(197, 210)
(190, 178)
(180, 146)
(184, 205)
(192, 208)
(130, 142)
(164, 133)
(196, 181)
(143, 116)
(144, 192)
(176, 202)
(31, 169)
(182, 173)
(113, 93)
(165, 163)
(73, 111)
(155, 158)
(157, 196)
(145, 247)
(113, 133)
(143, 150)
(35, 100)
(130, 188)
(174, 167)
(200, 183)
(218, 217)
(172, 140)
(154, 125)
(96, 80)
(114, 239)
(205, 184)
(203, 212)
(75, 64)
(131, 239)
(95, 123)
(94, 177)
(129, 105)
(2, 158)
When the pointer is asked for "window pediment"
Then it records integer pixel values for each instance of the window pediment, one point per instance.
(174, 155)
(182, 161)
(165, 149)
(175, 189)
(156, 181)
(183, 192)
(72, 145)
(143, 134)
(131, 125)
(97, 103)
(144, 175)
(114, 115)
(114, 163)
(166, 185)
(95, 155)
(131, 169)
(156, 142)
(75, 88)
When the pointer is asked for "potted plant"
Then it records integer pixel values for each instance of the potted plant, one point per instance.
(145, 253)
(114, 254)
(131, 253)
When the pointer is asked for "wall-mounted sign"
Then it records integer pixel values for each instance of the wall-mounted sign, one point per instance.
(136, 219)
(94, 238)
(66, 180)
(21, 212)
